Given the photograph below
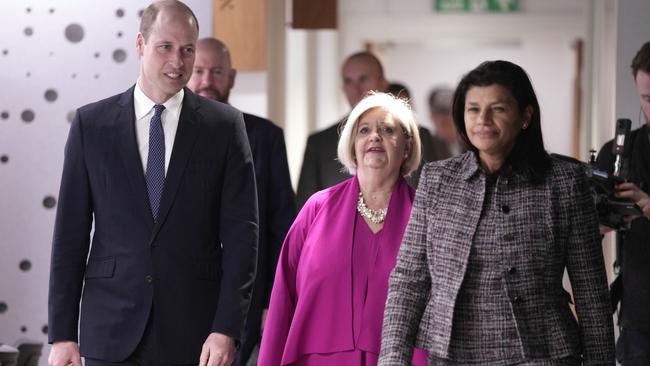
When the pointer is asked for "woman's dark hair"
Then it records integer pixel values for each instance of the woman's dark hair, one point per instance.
(528, 155)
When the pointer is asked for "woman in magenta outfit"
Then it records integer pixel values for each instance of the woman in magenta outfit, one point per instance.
(331, 283)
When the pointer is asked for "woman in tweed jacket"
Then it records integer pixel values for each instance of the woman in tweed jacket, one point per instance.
(479, 274)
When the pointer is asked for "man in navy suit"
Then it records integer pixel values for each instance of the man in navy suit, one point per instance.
(214, 77)
(167, 179)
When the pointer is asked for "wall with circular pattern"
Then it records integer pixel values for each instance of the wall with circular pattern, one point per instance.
(55, 56)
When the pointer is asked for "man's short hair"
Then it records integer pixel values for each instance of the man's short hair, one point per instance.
(367, 56)
(440, 100)
(642, 60)
(150, 14)
(219, 46)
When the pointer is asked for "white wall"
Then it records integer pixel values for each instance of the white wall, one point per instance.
(423, 49)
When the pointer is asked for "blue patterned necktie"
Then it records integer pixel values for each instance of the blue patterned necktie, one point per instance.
(156, 161)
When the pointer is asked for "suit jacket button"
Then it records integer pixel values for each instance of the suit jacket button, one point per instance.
(512, 270)
(517, 299)
(149, 279)
(505, 209)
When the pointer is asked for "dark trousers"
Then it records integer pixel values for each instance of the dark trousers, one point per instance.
(143, 355)
(633, 347)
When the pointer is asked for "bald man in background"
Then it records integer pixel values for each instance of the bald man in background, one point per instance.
(214, 77)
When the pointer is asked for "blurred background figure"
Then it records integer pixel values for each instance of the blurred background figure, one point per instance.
(330, 289)
(479, 274)
(440, 101)
(214, 77)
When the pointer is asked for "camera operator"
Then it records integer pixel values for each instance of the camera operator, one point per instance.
(633, 252)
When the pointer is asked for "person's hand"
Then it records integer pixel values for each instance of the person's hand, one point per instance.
(218, 350)
(64, 354)
(604, 229)
(265, 312)
(632, 193)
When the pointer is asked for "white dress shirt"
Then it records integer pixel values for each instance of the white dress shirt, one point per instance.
(144, 112)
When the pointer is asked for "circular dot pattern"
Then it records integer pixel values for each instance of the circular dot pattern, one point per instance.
(28, 31)
(25, 265)
(119, 13)
(4, 159)
(51, 95)
(49, 202)
(27, 115)
(3, 307)
(44, 329)
(23, 329)
(4, 115)
(119, 55)
(74, 33)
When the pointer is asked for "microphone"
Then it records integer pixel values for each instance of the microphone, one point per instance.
(622, 132)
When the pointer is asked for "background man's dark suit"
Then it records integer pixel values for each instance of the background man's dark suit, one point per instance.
(277, 210)
(321, 168)
(192, 270)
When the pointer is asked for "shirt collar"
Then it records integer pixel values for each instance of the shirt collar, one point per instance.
(143, 105)
(471, 167)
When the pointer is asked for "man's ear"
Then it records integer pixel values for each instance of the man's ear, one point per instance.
(231, 78)
(139, 44)
(384, 85)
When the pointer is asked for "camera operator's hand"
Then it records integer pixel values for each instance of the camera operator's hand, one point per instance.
(631, 192)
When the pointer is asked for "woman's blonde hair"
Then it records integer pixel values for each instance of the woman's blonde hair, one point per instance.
(400, 110)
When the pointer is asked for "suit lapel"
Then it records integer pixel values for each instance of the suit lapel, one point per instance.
(130, 154)
(186, 134)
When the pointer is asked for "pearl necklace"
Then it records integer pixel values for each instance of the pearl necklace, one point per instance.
(375, 216)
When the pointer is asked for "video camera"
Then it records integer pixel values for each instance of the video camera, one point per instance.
(611, 209)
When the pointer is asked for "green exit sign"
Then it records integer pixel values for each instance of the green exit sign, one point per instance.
(476, 6)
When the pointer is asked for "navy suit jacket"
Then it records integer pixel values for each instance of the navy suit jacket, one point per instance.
(277, 209)
(192, 269)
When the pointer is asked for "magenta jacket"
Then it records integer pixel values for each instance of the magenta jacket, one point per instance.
(311, 302)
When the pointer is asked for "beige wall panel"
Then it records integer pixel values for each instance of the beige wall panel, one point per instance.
(241, 24)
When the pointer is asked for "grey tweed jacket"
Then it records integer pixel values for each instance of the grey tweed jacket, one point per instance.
(545, 228)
